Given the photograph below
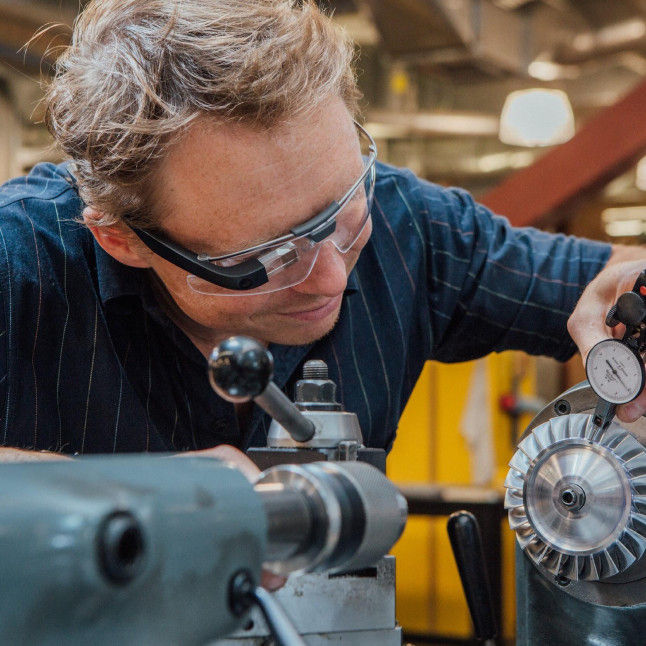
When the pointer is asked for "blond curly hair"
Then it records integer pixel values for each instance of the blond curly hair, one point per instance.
(138, 72)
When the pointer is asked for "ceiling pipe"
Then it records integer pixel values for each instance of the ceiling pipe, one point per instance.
(538, 42)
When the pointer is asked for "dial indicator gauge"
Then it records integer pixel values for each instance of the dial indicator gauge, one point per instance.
(615, 371)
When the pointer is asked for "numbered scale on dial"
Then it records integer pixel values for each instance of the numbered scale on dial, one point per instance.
(615, 371)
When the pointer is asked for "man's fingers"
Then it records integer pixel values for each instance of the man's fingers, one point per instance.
(271, 581)
(229, 454)
(633, 410)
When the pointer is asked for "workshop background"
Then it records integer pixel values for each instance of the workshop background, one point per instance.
(536, 106)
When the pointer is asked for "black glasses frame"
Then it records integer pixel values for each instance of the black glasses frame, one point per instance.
(251, 273)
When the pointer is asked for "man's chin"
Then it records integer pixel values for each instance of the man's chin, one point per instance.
(303, 333)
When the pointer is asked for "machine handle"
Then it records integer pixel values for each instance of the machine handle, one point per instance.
(240, 369)
(274, 402)
(464, 534)
(280, 625)
(244, 594)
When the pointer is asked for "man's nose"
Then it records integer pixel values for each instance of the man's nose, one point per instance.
(328, 276)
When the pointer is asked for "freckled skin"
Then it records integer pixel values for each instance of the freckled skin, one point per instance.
(224, 187)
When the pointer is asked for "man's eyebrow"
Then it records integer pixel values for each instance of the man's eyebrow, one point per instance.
(197, 246)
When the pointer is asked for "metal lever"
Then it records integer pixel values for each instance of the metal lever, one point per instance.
(464, 534)
(240, 369)
(244, 594)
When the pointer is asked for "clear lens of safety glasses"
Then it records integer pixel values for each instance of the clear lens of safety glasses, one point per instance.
(290, 263)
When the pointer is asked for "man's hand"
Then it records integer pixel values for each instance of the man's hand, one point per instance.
(269, 581)
(228, 454)
(587, 323)
(8, 454)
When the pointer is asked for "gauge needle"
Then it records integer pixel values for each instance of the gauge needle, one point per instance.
(615, 373)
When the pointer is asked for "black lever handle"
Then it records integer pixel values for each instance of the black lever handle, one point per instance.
(631, 309)
(240, 369)
(244, 594)
(464, 534)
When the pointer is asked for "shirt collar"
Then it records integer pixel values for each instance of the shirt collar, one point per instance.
(353, 285)
(116, 279)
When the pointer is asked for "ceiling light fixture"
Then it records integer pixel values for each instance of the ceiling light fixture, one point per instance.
(536, 117)
(625, 221)
(640, 174)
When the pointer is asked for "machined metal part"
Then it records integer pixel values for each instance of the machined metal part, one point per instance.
(284, 412)
(315, 398)
(354, 609)
(576, 496)
(124, 550)
(572, 495)
(331, 428)
(315, 391)
(349, 515)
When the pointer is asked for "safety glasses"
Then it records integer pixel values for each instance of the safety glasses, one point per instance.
(284, 261)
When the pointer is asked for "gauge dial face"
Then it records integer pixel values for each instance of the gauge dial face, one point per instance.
(615, 371)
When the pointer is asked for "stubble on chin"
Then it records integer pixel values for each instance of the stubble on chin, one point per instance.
(302, 334)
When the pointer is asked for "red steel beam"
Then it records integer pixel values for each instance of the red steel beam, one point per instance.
(603, 148)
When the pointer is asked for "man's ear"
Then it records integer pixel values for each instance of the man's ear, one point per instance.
(117, 240)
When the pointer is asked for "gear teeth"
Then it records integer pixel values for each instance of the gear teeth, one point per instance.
(577, 430)
(519, 524)
(638, 522)
(638, 540)
(513, 499)
(636, 464)
(639, 484)
(559, 432)
(530, 447)
(608, 565)
(627, 447)
(625, 555)
(525, 538)
(572, 568)
(544, 554)
(559, 566)
(518, 521)
(542, 435)
(514, 480)
(519, 462)
(611, 441)
(593, 571)
(630, 455)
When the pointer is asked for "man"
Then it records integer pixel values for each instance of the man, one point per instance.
(219, 185)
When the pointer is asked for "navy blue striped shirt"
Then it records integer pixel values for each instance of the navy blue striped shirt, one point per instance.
(89, 363)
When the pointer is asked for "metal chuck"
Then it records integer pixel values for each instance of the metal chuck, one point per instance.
(576, 497)
(329, 516)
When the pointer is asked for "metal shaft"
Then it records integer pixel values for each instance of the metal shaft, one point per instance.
(326, 516)
(274, 402)
(289, 520)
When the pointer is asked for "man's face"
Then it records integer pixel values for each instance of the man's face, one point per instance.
(226, 187)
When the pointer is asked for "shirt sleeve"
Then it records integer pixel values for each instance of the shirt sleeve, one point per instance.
(494, 287)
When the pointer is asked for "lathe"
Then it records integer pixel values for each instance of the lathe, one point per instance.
(160, 550)
(137, 550)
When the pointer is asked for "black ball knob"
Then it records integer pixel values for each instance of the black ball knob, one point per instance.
(631, 309)
(240, 368)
